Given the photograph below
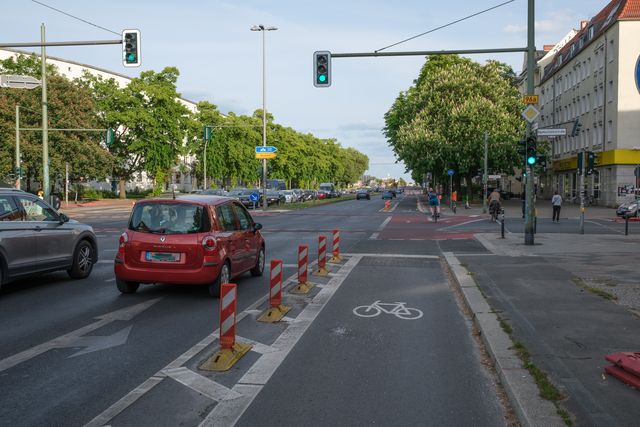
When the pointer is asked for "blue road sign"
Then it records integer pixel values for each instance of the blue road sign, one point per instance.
(254, 197)
(266, 149)
(451, 171)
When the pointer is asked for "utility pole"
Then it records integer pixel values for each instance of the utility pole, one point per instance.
(18, 147)
(45, 121)
(581, 171)
(66, 184)
(204, 180)
(485, 176)
(264, 121)
(531, 50)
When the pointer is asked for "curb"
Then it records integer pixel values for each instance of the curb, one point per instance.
(521, 390)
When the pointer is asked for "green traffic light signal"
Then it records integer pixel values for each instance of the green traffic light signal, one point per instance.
(322, 68)
(322, 78)
(531, 160)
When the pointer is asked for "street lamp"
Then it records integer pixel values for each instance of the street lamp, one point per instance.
(264, 29)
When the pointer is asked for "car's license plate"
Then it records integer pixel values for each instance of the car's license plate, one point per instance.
(162, 256)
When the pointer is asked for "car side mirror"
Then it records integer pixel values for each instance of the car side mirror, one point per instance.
(63, 218)
(256, 227)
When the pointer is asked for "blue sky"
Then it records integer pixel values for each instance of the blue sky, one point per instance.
(220, 59)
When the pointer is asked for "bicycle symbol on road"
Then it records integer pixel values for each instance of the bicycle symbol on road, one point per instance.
(398, 309)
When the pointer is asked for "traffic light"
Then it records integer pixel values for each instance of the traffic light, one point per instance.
(580, 163)
(131, 48)
(522, 147)
(576, 128)
(322, 68)
(207, 133)
(542, 161)
(591, 163)
(532, 158)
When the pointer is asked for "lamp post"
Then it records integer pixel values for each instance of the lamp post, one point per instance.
(264, 109)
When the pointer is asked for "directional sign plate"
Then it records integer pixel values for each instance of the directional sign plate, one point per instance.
(19, 82)
(530, 113)
(451, 172)
(254, 197)
(266, 149)
(265, 155)
(552, 132)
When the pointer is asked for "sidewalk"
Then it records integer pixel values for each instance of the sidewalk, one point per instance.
(570, 301)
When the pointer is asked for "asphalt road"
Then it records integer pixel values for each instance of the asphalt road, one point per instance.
(78, 352)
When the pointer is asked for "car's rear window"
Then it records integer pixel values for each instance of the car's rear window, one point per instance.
(169, 218)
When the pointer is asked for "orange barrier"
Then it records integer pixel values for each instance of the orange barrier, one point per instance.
(335, 248)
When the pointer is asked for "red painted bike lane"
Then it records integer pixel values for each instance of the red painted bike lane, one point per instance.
(419, 227)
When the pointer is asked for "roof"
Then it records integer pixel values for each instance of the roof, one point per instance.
(616, 10)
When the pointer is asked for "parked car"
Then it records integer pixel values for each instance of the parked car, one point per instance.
(299, 194)
(205, 240)
(321, 194)
(289, 196)
(213, 192)
(275, 198)
(387, 195)
(363, 194)
(244, 197)
(36, 239)
(628, 208)
(310, 195)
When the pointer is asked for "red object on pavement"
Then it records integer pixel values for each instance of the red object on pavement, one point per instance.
(628, 361)
(227, 315)
(275, 285)
(335, 249)
(322, 251)
(623, 376)
(303, 262)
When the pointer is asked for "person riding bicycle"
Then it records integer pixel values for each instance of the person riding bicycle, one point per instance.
(434, 202)
(494, 202)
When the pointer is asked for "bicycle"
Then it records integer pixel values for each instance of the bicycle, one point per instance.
(398, 309)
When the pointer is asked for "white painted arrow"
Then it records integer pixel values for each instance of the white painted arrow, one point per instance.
(97, 343)
(70, 339)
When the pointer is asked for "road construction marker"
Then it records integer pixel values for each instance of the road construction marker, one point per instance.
(276, 311)
(230, 350)
(303, 285)
(387, 205)
(335, 248)
(322, 257)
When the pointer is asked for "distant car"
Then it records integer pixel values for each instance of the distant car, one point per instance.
(275, 198)
(363, 194)
(387, 195)
(205, 240)
(628, 209)
(321, 194)
(245, 197)
(213, 192)
(36, 239)
(290, 196)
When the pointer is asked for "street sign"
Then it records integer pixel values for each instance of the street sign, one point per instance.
(254, 197)
(19, 82)
(530, 99)
(265, 155)
(552, 132)
(451, 172)
(530, 113)
(266, 149)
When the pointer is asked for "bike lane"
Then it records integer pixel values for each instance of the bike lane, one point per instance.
(385, 369)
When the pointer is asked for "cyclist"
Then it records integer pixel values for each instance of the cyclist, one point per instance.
(434, 203)
(494, 203)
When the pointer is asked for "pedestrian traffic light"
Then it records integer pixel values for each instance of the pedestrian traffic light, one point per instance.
(591, 163)
(522, 147)
(322, 68)
(131, 48)
(532, 158)
(576, 128)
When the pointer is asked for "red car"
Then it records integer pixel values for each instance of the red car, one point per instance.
(190, 240)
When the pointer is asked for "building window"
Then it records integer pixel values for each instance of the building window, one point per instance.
(610, 52)
(595, 134)
(590, 32)
(610, 95)
(588, 66)
(609, 131)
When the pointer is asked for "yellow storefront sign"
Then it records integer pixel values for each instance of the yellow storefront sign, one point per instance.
(606, 158)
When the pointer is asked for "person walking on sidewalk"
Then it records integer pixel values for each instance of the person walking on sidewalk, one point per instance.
(556, 202)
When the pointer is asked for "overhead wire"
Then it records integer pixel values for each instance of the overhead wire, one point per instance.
(75, 17)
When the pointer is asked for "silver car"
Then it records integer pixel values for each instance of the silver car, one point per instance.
(36, 239)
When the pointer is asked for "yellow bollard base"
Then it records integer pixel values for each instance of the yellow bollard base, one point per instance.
(225, 358)
(274, 314)
(336, 259)
(302, 288)
(321, 271)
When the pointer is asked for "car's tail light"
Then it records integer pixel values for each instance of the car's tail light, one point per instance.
(124, 238)
(209, 243)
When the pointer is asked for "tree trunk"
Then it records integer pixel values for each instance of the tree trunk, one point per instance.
(468, 178)
(123, 188)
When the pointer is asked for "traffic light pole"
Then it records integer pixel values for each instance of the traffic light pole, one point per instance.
(18, 147)
(485, 178)
(582, 172)
(530, 197)
(45, 121)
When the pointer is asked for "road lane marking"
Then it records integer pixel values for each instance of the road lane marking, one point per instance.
(203, 385)
(380, 228)
(374, 236)
(393, 255)
(228, 412)
(73, 338)
(462, 223)
(113, 279)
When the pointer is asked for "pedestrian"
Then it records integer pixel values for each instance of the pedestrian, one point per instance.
(556, 202)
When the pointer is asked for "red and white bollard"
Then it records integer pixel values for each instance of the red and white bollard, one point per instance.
(303, 270)
(230, 350)
(335, 249)
(227, 315)
(276, 310)
(322, 257)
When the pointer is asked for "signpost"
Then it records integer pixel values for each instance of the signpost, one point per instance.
(450, 172)
(265, 155)
(530, 99)
(19, 82)
(266, 152)
(552, 132)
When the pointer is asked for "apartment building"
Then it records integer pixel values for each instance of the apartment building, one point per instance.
(593, 81)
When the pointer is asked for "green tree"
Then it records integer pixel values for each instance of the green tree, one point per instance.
(440, 121)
